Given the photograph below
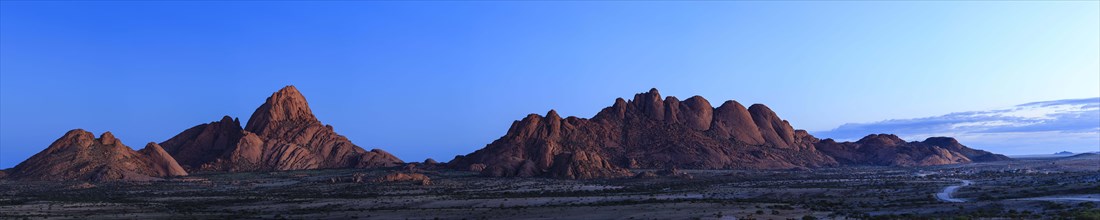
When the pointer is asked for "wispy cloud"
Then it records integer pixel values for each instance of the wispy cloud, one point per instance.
(1032, 128)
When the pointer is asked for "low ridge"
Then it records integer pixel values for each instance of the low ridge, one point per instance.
(79, 156)
(890, 150)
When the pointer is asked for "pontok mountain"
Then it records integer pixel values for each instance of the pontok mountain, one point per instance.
(889, 150)
(80, 156)
(649, 132)
(282, 134)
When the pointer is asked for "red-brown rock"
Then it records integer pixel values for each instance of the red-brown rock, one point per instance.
(647, 132)
(584, 165)
(205, 143)
(79, 156)
(282, 134)
(163, 162)
(732, 120)
(406, 177)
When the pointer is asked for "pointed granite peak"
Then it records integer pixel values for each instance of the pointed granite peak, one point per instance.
(107, 138)
(230, 122)
(616, 111)
(553, 114)
(226, 119)
(651, 104)
(652, 94)
(287, 104)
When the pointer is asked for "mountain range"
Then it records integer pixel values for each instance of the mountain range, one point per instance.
(646, 132)
(649, 132)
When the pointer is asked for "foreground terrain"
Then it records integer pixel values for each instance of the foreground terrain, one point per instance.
(1028, 188)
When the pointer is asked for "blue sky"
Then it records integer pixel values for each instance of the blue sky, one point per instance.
(1061, 125)
(437, 79)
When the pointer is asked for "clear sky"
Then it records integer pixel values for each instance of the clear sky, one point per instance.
(437, 79)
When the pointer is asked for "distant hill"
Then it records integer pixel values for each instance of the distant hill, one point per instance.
(1080, 156)
(1059, 154)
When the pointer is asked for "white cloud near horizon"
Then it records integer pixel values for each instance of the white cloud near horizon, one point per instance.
(1032, 128)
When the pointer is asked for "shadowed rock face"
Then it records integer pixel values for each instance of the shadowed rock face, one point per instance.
(584, 165)
(282, 134)
(889, 150)
(80, 156)
(647, 132)
(205, 143)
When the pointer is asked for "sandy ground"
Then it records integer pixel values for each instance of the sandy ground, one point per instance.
(1087, 198)
(1021, 189)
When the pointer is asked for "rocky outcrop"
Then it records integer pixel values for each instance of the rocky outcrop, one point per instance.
(647, 132)
(583, 165)
(405, 177)
(477, 167)
(79, 156)
(282, 134)
(889, 150)
(163, 162)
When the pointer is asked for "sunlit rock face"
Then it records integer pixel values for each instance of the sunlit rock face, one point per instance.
(282, 134)
(79, 156)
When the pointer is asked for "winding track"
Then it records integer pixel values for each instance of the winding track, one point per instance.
(947, 191)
